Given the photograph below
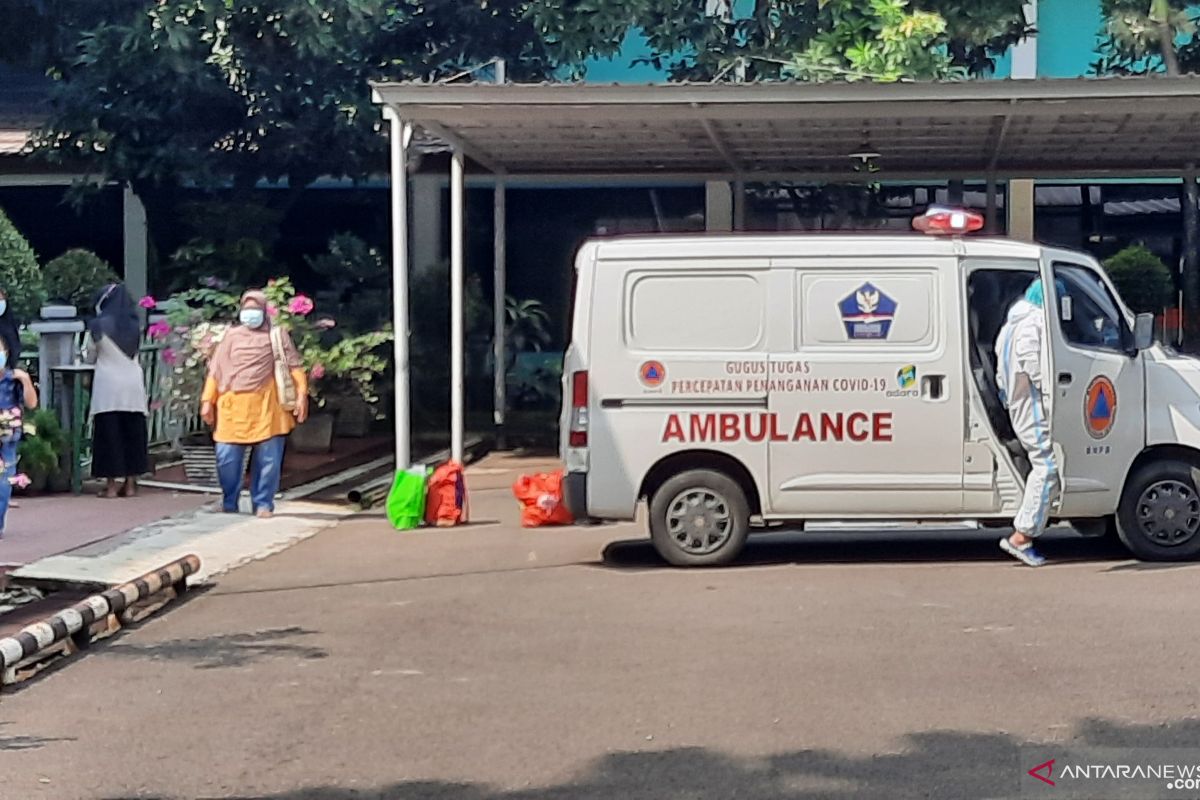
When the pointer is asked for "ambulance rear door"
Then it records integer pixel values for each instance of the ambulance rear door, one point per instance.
(869, 403)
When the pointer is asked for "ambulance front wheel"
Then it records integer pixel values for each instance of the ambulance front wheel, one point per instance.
(699, 518)
(1159, 517)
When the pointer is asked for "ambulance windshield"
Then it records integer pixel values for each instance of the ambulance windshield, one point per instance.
(1092, 318)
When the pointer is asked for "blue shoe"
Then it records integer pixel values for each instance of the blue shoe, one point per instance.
(1026, 555)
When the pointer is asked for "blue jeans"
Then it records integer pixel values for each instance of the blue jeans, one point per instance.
(8, 454)
(266, 460)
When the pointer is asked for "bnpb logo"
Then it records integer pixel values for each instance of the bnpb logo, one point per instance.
(652, 374)
(1099, 407)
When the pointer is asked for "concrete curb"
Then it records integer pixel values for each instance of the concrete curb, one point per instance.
(77, 621)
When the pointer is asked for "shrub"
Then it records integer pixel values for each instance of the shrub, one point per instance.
(75, 276)
(1142, 279)
(20, 278)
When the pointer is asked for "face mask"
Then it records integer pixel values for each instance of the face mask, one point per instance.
(251, 317)
(3, 307)
(3, 359)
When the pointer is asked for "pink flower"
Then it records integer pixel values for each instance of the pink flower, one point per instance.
(301, 305)
(159, 330)
(272, 310)
(318, 371)
(170, 356)
(148, 302)
(20, 480)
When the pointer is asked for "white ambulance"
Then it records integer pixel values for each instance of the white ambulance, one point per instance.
(737, 382)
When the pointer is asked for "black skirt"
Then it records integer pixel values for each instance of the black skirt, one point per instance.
(119, 445)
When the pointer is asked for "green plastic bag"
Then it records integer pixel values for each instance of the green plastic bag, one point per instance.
(406, 499)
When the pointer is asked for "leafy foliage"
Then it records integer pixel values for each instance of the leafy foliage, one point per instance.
(230, 239)
(75, 276)
(204, 91)
(810, 39)
(43, 445)
(1143, 36)
(357, 283)
(1142, 279)
(20, 277)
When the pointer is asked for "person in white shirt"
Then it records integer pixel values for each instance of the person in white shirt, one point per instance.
(119, 447)
(1022, 378)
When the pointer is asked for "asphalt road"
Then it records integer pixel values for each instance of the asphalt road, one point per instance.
(489, 662)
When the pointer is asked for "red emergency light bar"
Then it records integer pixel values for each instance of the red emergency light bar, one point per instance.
(939, 220)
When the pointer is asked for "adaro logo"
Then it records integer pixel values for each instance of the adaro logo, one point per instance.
(1099, 407)
(1044, 772)
(652, 373)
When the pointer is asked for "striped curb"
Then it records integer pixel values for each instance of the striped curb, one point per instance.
(80, 617)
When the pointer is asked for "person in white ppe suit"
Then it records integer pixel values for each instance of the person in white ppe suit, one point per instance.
(1024, 383)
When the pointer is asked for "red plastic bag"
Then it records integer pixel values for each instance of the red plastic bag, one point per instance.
(541, 500)
(446, 497)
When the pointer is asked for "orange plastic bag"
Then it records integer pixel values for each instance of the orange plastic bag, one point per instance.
(541, 500)
(446, 497)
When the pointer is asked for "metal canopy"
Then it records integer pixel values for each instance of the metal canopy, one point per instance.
(1011, 128)
(743, 132)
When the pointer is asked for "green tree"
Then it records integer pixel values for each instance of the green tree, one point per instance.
(75, 276)
(882, 39)
(20, 276)
(1143, 36)
(1142, 279)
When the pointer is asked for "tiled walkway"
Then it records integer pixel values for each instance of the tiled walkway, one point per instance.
(44, 526)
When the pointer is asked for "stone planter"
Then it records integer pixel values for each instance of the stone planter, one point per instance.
(316, 434)
(354, 416)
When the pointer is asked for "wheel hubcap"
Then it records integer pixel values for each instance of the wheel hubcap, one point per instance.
(698, 521)
(1168, 513)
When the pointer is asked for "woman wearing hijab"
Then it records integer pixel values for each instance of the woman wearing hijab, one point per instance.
(119, 451)
(247, 402)
(10, 337)
(16, 392)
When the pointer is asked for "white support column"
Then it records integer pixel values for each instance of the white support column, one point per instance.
(500, 267)
(1019, 203)
(136, 243)
(457, 229)
(1025, 52)
(718, 206)
(399, 136)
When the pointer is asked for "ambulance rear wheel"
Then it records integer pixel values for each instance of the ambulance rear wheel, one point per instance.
(699, 518)
(1159, 517)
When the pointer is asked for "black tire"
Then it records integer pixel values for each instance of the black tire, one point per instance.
(1159, 517)
(718, 500)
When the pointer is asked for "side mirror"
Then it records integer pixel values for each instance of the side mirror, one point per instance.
(1143, 331)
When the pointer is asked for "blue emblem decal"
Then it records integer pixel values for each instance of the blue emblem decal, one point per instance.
(868, 313)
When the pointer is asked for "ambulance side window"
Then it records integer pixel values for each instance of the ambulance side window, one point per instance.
(1091, 317)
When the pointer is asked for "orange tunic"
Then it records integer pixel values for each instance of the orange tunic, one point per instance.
(252, 417)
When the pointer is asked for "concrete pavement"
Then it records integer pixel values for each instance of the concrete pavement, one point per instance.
(490, 662)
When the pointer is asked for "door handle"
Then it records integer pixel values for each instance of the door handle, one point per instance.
(933, 387)
(1065, 378)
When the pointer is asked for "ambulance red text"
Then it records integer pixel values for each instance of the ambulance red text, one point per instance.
(855, 426)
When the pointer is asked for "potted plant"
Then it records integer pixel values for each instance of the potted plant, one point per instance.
(41, 450)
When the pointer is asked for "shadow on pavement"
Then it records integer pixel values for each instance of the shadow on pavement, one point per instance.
(14, 743)
(883, 547)
(934, 764)
(225, 650)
